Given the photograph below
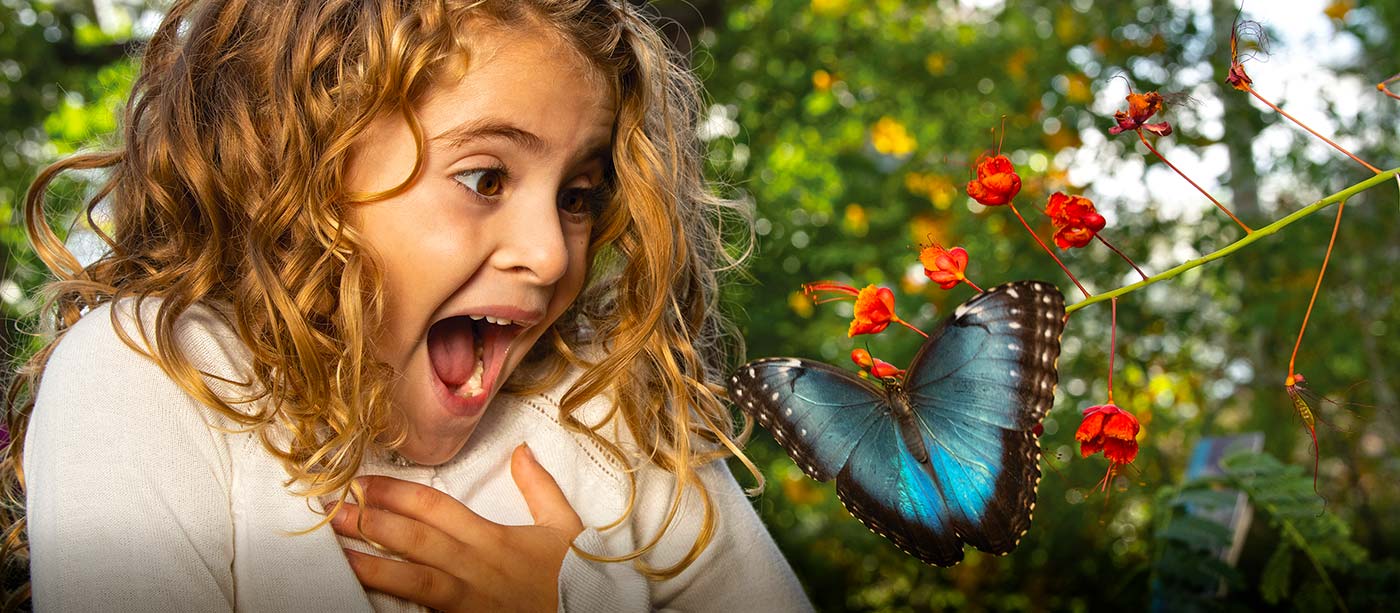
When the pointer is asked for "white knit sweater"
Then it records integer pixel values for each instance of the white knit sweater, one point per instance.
(138, 501)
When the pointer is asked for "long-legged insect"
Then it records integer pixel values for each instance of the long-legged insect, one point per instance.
(1294, 386)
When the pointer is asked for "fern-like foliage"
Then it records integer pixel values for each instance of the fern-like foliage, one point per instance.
(1309, 556)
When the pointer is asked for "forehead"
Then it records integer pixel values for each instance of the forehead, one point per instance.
(526, 73)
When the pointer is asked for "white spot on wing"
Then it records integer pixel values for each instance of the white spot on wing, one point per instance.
(1012, 292)
(1014, 325)
(960, 311)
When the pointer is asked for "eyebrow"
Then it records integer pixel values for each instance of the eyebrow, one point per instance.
(474, 130)
(493, 129)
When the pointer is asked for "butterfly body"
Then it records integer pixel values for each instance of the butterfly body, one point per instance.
(943, 456)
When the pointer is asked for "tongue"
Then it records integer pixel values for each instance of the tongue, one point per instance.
(452, 350)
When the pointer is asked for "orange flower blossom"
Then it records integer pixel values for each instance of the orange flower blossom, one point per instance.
(875, 366)
(1141, 107)
(946, 267)
(996, 183)
(1075, 218)
(874, 309)
(1111, 430)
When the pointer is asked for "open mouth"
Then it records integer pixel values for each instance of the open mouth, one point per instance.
(467, 353)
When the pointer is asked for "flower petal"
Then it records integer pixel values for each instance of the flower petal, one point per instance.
(1160, 129)
(1121, 425)
(959, 258)
(1119, 451)
(1091, 428)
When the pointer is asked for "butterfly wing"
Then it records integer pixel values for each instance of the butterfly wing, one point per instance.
(816, 412)
(979, 385)
(944, 458)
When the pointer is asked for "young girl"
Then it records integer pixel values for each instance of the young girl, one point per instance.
(367, 258)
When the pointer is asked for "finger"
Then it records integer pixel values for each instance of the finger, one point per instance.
(424, 504)
(424, 585)
(409, 538)
(546, 501)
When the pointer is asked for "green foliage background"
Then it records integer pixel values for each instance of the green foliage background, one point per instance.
(798, 89)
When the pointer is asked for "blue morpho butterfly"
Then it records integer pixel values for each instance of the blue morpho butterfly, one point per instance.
(946, 455)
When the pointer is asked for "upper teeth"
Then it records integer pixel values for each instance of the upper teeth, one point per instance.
(500, 321)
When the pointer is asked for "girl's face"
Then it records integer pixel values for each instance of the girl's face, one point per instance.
(488, 246)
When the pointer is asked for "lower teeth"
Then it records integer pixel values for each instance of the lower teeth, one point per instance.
(472, 387)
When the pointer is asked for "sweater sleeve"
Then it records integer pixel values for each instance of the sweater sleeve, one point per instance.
(740, 570)
(127, 486)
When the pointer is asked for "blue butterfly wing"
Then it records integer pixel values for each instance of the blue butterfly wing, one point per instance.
(816, 412)
(945, 457)
(891, 491)
(978, 386)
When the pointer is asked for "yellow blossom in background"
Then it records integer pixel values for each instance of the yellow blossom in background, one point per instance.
(1079, 91)
(890, 137)
(923, 229)
(1339, 9)
(800, 304)
(941, 192)
(822, 80)
(938, 189)
(856, 221)
(936, 63)
(830, 8)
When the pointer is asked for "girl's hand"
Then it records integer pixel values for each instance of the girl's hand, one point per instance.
(455, 559)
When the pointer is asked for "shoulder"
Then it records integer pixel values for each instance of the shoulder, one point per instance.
(113, 339)
(101, 383)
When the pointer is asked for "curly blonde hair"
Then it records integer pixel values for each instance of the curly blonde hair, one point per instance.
(229, 189)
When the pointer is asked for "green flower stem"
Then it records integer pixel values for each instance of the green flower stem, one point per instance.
(1383, 177)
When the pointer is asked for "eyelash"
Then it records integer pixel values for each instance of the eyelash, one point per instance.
(594, 198)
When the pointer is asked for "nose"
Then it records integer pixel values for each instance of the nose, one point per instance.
(530, 238)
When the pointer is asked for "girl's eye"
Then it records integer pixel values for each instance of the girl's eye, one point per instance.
(583, 202)
(486, 182)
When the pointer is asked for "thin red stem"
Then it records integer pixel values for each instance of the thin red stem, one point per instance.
(1047, 249)
(1335, 225)
(1112, 347)
(974, 285)
(911, 327)
(1193, 183)
(1120, 254)
(1311, 131)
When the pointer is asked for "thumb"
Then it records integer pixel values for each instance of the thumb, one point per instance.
(546, 501)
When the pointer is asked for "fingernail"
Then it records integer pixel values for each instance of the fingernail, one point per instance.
(528, 453)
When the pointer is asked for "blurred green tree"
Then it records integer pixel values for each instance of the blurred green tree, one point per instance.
(852, 127)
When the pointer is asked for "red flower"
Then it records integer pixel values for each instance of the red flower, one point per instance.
(1141, 107)
(874, 305)
(874, 311)
(1076, 221)
(1238, 78)
(1111, 430)
(996, 183)
(946, 267)
(875, 366)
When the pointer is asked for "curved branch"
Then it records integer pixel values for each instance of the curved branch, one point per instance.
(1383, 177)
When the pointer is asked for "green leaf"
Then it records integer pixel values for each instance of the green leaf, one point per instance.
(1273, 583)
(1196, 532)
